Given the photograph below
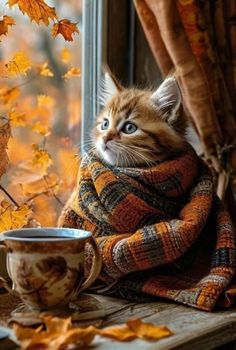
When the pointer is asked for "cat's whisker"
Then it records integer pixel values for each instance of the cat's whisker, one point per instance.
(127, 152)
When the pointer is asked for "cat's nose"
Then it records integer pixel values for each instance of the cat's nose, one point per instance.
(107, 138)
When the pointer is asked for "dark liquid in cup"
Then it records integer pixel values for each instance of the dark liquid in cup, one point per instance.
(52, 237)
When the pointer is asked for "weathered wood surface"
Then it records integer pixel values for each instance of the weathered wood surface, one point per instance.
(193, 329)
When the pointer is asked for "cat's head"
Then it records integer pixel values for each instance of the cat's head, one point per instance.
(138, 127)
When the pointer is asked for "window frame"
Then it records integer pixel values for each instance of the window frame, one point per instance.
(93, 54)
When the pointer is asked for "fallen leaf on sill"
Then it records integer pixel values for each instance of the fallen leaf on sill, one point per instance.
(122, 333)
(60, 333)
(148, 331)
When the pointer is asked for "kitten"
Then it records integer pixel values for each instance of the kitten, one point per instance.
(137, 127)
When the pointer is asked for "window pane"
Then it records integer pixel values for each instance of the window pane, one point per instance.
(43, 110)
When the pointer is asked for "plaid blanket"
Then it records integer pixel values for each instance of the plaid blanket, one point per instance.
(162, 230)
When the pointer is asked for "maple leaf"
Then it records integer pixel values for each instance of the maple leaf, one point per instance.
(41, 129)
(12, 217)
(72, 72)
(19, 64)
(45, 101)
(66, 28)
(66, 55)
(9, 95)
(5, 133)
(37, 10)
(6, 22)
(41, 160)
(45, 71)
(17, 118)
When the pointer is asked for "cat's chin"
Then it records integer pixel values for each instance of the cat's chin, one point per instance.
(109, 157)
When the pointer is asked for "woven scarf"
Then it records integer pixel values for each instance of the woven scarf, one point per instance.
(162, 231)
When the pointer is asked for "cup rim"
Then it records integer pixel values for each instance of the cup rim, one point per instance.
(25, 234)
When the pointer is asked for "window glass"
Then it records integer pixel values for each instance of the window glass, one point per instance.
(44, 110)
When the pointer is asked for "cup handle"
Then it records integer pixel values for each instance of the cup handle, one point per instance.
(3, 281)
(96, 266)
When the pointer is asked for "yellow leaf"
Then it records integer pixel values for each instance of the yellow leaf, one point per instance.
(41, 129)
(66, 28)
(45, 101)
(66, 55)
(17, 118)
(73, 72)
(12, 217)
(19, 64)
(37, 10)
(45, 71)
(9, 95)
(6, 22)
(41, 160)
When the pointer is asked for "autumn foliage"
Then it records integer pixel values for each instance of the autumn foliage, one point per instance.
(38, 164)
(60, 334)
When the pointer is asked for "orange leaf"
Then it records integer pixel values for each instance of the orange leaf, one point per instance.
(66, 55)
(9, 95)
(17, 118)
(6, 22)
(45, 71)
(5, 133)
(42, 160)
(45, 101)
(37, 10)
(41, 129)
(148, 331)
(19, 64)
(121, 333)
(11, 217)
(73, 72)
(57, 324)
(66, 28)
(58, 335)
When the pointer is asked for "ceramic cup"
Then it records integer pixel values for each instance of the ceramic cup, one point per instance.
(46, 265)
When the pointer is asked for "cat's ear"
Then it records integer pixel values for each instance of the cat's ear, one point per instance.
(109, 87)
(167, 99)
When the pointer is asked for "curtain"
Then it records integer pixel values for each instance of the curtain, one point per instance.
(197, 40)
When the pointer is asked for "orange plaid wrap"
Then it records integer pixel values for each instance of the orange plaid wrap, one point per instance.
(162, 230)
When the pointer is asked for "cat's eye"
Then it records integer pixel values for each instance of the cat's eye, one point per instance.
(105, 124)
(129, 128)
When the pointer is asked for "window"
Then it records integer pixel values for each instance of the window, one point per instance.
(45, 111)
